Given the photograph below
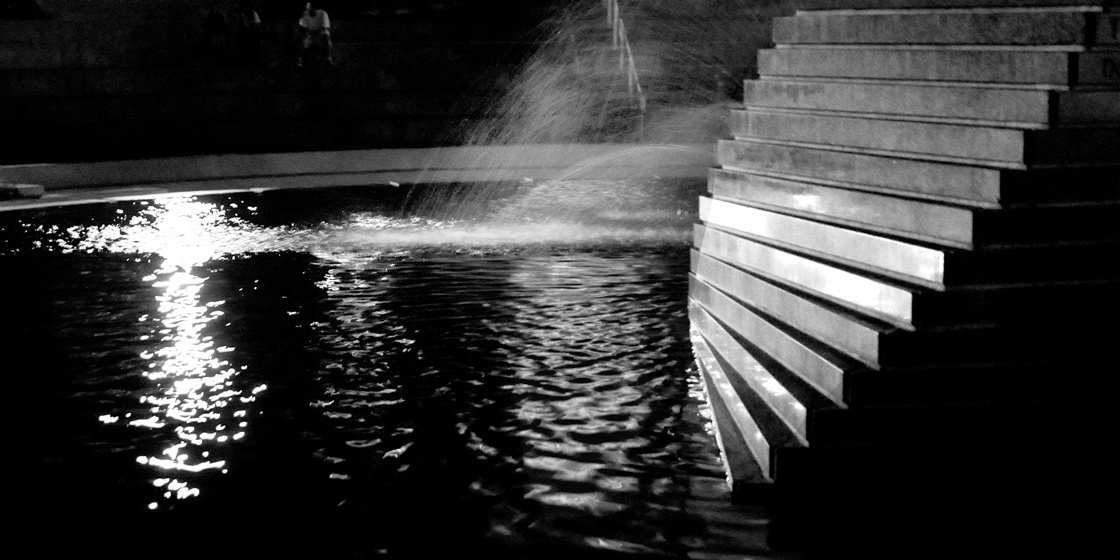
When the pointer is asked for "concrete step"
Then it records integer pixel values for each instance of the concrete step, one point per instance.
(982, 145)
(909, 262)
(760, 379)
(1018, 108)
(960, 184)
(1052, 69)
(915, 219)
(759, 383)
(879, 298)
(787, 413)
(886, 347)
(871, 304)
(940, 224)
(1024, 27)
(850, 333)
(812, 370)
(957, 184)
(885, 444)
(910, 307)
(746, 438)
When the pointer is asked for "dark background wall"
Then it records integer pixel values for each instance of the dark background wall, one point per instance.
(102, 79)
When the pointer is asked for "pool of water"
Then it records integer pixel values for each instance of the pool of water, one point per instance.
(319, 373)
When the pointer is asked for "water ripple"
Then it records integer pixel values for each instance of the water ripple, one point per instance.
(362, 374)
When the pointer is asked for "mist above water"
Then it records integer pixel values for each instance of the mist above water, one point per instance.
(691, 59)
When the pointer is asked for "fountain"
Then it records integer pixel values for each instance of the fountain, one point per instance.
(205, 349)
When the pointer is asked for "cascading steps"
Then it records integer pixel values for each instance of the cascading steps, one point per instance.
(926, 221)
(905, 267)
(965, 185)
(1036, 69)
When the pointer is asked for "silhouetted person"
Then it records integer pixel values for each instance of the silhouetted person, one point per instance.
(315, 29)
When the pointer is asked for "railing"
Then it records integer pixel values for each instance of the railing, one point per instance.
(620, 43)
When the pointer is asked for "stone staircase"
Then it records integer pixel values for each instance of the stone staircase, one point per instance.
(76, 88)
(905, 272)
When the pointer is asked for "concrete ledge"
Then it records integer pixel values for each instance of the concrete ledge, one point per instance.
(92, 182)
(8, 191)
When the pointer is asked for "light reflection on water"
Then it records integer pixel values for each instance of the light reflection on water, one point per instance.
(522, 380)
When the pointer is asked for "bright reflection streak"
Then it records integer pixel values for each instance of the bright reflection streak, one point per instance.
(194, 395)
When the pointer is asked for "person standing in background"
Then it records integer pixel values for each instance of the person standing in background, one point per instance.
(315, 28)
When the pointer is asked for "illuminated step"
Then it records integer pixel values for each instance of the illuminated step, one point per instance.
(1055, 69)
(814, 364)
(921, 220)
(906, 307)
(882, 346)
(852, 334)
(949, 27)
(1023, 108)
(984, 145)
(778, 402)
(914, 219)
(905, 261)
(961, 184)
(744, 446)
(868, 257)
(875, 297)
(776, 417)
(759, 355)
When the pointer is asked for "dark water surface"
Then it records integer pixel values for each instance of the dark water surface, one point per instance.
(314, 374)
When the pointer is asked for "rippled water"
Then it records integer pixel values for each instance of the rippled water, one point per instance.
(315, 373)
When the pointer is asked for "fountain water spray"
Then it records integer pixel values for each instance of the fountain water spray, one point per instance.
(690, 58)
